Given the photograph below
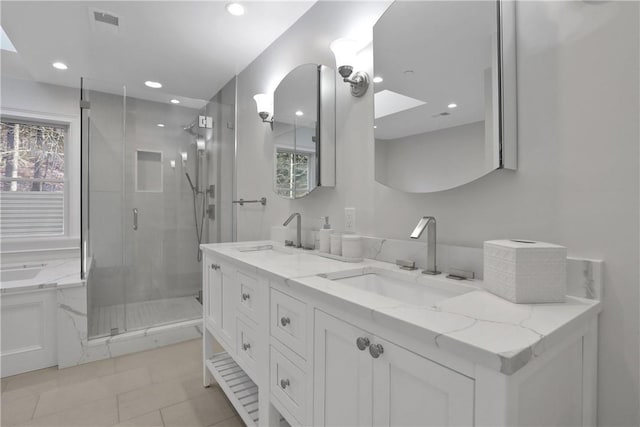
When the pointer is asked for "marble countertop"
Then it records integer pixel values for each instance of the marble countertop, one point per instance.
(475, 325)
(58, 273)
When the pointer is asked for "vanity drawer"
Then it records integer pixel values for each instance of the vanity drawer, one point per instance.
(289, 321)
(288, 384)
(246, 347)
(248, 297)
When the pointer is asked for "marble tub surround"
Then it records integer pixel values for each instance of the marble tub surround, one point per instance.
(51, 274)
(476, 325)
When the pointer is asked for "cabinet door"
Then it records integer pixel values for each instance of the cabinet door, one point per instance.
(213, 294)
(342, 374)
(409, 390)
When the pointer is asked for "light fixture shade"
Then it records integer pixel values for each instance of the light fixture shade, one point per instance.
(264, 103)
(345, 51)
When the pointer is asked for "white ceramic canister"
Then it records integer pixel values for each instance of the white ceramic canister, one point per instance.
(336, 244)
(352, 246)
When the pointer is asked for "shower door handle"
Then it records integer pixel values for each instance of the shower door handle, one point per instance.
(135, 218)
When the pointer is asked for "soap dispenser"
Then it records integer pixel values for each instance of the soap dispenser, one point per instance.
(325, 236)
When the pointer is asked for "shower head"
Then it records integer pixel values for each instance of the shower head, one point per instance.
(189, 128)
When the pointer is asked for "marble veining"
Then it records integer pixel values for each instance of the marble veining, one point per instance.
(475, 325)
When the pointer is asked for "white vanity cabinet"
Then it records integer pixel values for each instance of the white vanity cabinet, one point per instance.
(308, 350)
(361, 379)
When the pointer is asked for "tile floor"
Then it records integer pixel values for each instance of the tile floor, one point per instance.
(161, 387)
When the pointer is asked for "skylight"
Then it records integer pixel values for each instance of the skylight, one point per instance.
(5, 42)
(388, 102)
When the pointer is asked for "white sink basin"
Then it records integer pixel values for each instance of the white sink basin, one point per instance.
(422, 291)
(265, 249)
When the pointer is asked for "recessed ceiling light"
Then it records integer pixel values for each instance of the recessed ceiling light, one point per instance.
(375, 127)
(235, 9)
(378, 79)
(155, 85)
(160, 125)
(175, 101)
(452, 105)
(60, 65)
(299, 113)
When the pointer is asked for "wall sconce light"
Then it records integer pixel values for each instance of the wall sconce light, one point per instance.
(345, 51)
(264, 104)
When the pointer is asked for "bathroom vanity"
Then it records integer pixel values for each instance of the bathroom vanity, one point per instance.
(315, 341)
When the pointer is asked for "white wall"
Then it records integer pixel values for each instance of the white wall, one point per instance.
(32, 100)
(577, 183)
(435, 160)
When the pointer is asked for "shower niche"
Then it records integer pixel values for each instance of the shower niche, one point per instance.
(149, 171)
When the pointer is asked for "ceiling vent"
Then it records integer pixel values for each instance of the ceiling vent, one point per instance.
(104, 22)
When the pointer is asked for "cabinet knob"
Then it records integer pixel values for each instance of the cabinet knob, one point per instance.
(284, 321)
(215, 266)
(284, 384)
(245, 297)
(362, 343)
(246, 346)
(376, 350)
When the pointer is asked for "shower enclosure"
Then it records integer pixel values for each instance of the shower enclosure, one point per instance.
(157, 179)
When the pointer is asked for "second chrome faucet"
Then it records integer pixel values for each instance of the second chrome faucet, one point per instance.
(428, 223)
(298, 228)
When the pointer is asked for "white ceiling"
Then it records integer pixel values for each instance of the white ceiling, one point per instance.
(192, 48)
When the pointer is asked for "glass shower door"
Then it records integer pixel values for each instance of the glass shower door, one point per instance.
(162, 148)
(157, 181)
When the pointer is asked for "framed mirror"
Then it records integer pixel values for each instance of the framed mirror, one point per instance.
(445, 93)
(304, 131)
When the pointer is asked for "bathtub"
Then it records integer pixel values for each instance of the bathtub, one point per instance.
(12, 273)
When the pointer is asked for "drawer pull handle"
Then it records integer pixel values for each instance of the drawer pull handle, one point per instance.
(376, 350)
(246, 346)
(284, 384)
(284, 321)
(215, 266)
(362, 343)
(245, 297)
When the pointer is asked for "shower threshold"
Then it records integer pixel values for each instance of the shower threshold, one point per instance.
(110, 320)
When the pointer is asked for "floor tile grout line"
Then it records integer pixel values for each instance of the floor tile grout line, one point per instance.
(226, 419)
(161, 417)
(33, 413)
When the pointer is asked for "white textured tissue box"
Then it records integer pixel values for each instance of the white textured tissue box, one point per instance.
(523, 271)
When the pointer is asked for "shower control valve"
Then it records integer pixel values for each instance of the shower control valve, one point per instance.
(245, 297)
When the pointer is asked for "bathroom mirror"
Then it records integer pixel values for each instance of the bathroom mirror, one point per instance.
(304, 131)
(445, 109)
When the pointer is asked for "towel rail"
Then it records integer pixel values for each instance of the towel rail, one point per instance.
(241, 202)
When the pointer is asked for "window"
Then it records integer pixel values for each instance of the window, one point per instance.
(293, 173)
(32, 171)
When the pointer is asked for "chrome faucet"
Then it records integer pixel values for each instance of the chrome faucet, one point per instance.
(298, 228)
(429, 223)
